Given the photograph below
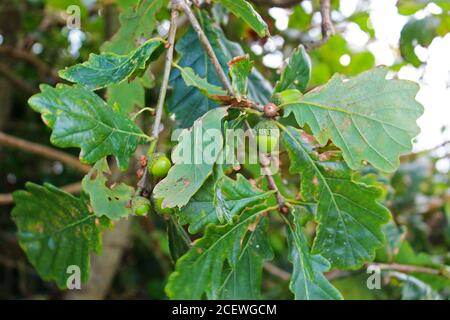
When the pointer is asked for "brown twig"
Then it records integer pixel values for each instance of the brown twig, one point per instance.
(277, 3)
(6, 199)
(326, 25)
(276, 271)
(47, 152)
(18, 82)
(410, 269)
(337, 274)
(29, 57)
(182, 5)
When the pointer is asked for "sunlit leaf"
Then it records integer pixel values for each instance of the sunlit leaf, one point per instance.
(367, 117)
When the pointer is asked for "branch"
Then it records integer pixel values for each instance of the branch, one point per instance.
(162, 93)
(47, 152)
(277, 3)
(182, 5)
(42, 68)
(18, 82)
(337, 274)
(326, 26)
(167, 68)
(6, 198)
(276, 271)
(411, 269)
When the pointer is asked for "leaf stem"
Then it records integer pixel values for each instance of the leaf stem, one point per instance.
(141, 111)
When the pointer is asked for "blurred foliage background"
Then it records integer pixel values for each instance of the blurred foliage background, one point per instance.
(35, 42)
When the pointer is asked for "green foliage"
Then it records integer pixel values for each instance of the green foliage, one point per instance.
(187, 102)
(80, 118)
(56, 230)
(135, 23)
(245, 10)
(109, 68)
(126, 95)
(112, 202)
(189, 173)
(367, 117)
(219, 246)
(243, 282)
(240, 69)
(179, 241)
(341, 139)
(307, 280)
(204, 207)
(297, 72)
(190, 78)
(348, 214)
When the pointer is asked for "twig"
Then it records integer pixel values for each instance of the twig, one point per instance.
(185, 7)
(167, 69)
(18, 82)
(42, 68)
(162, 93)
(6, 199)
(410, 269)
(47, 152)
(326, 25)
(277, 3)
(414, 155)
(337, 274)
(276, 271)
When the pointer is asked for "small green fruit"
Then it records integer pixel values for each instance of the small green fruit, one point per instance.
(266, 143)
(160, 167)
(159, 209)
(142, 210)
(267, 134)
(140, 206)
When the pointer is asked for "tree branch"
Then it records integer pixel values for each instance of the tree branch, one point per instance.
(47, 152)
(29, 57)
(163, 91)
(186, 8)
(326, 25)
(410, 269)
(6, 198)
(277, 3)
